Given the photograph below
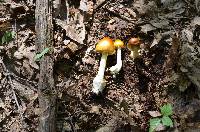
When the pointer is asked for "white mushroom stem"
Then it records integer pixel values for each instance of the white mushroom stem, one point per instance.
(135, 52)
(99, 82)
(116, 68)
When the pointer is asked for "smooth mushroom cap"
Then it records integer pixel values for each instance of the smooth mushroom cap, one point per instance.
(118, 43)
(105, 45)
(133, 42)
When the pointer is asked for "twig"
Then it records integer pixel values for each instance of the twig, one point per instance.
(121, 16)
(67, 6)
(100, 4)
(28, 82)
(15, 30)
(10, 81)
(13, 91)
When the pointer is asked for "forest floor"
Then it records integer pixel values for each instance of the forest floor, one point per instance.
(141, 87)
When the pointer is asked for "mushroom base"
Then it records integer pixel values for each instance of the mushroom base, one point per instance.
(135, 52)
(99, 82)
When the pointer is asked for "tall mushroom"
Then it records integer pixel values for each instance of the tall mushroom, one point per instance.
(134, 46)
(116, 68)
(106, 47)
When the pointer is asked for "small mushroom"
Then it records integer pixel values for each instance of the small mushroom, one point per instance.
(134, 46)
(116, 68)
(106, 47)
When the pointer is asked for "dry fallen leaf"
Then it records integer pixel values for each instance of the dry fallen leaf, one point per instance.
(160, 127)
(154, 113)
(146, 28)
(95, 109)
(162, 24)
(195, 21)
(83, 5)
(188, 34)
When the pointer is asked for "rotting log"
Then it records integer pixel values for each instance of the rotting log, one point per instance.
(46, 88)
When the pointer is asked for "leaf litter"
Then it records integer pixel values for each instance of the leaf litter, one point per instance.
(170, 62)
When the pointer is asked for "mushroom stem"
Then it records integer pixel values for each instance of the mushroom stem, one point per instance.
(119, 58)
(116, 68)
(102, 65)
(98, 82)
(134, 52)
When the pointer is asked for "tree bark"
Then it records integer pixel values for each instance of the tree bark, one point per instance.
(46, 88)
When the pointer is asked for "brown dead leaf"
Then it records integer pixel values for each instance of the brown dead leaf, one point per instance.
(197, 4)
(154, 113)
(83, 5)
(160, 127)
(95, 109)
(111, 27)
(2, 105)
(75, 29)
(188, 34)
(15, 126)
(162, 24)
(147, 27)
(27, 52)
(4, 25)
(195, 21)
(30, 54)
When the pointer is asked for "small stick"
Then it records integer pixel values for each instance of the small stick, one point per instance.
(12, 87)
(100, 4)
(9, 79)
(15, 30)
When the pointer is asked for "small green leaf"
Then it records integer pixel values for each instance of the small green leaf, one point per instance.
(154, 123)
(3, 40)
(166, 110)
(7, 37)
(167, 121)
(39, 56)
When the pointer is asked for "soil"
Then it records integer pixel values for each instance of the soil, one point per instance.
(141, 86)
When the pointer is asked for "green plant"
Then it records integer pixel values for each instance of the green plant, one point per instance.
(7, 37)
(39, 56)
(165, 120)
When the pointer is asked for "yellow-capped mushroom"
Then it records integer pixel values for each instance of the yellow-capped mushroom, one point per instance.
(106, 47)
(116, 68)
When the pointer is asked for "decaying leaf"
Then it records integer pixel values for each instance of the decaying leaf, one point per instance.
(167, 3)
(28, 53)
(195, 21)
(188, 34)
(160, 127)
(155, 113)
(83, 5)
(71, 31)
(146, 28)
(4, 24)
(162, 24)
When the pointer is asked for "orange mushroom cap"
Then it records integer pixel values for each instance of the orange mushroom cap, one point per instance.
(133, 42)
(105, 45)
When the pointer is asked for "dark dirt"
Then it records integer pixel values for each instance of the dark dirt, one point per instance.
(141, 86)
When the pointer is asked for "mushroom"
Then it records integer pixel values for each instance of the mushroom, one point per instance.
(134, 46)
(116, 68)
(106, 47)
